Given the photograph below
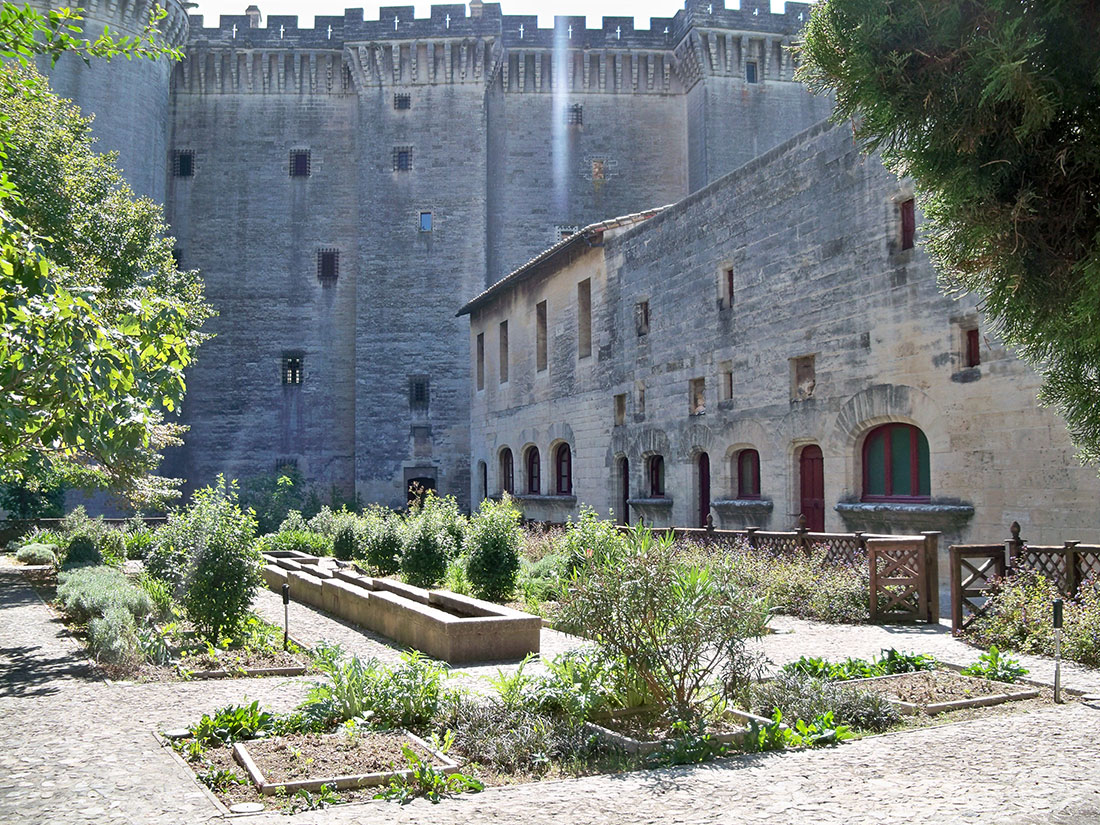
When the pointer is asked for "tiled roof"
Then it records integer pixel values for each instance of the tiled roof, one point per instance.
(548, 257)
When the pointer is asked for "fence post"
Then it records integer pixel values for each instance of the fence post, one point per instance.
(803, 544)
(956, 590)
(750, 536)
(1071, 569)
(932, 574)
(1013, 546)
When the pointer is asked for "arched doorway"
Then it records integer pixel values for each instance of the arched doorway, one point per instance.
(417, 490)
(703, 465)
(811, 478)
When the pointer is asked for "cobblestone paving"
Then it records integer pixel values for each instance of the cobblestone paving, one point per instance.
(77, 749)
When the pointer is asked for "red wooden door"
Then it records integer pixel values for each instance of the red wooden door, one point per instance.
(812, 478)
(704, 488)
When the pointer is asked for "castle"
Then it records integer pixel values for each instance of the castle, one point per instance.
(772, 344)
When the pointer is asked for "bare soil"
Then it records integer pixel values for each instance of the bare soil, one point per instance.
(315, 756)
(932, 687)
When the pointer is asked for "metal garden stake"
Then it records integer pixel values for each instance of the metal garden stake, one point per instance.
(1058, 650)
(286, 615)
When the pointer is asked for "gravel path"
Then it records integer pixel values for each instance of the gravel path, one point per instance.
(78, 749)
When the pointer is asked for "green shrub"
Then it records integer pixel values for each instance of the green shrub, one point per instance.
(455, 579)
(139, 538)
(382, 540)
(89, 592)
(995, 666)
(590, 539)
(680, 621)
(168, 558)
(544, 579)
(233, 723)
(224, 571)
(1018, 615)
(426, 545)
(888, 663)
(798, 695)
(292, 522)
(113, 637)
(160, 592)
(82, 551)
(347, 537)
(493, 543)
(443, 511)
(37, 554)
(327, 521)
(302, 541)
(1082, 623)
(112, 547)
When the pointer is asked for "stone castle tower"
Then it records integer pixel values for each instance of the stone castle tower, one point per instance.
(345, 189)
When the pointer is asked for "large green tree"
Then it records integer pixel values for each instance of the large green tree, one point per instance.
(992, 107)
(97, 324)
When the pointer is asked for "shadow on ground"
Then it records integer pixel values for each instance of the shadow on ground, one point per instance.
(25, 672)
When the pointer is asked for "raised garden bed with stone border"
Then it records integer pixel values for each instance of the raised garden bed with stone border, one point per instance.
(939, 691)
(308, 761)
(637, 731)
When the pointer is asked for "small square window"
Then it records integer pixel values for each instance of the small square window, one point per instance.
(402, 102)
(402, 159)
(697, 396)
(418, 392)
(425, 221)
(620, 409)
(563, 231)
(285, 465)
(299, 163)
(574, 115)
(750, 72)
(641, 318)
(184, 164)
(292, 370)
(328, 265)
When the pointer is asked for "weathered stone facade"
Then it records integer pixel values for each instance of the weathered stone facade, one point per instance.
(813, 234)
(498, 133)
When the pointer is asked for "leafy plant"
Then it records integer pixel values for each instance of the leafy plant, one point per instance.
(305, 801)
(772, 736)
(153, 645)
(82, 551)
(997, 667)
(426, 545)
(220, 779)
(585, 681)
(425, 781)
(689, 743)
(798, 695)
(493, 543)
(37, 554)
(346, 541)
(821, 730)
(382, 540)
(233, 723)
(112, 547)
(113, 637)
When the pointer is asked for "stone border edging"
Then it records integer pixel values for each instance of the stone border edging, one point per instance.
(165, 744)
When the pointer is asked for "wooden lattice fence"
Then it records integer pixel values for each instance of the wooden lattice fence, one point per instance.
(976, 568)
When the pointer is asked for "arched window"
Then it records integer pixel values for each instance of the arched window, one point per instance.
(748, 474)
(507, 474)
(534, 480)
(895, 464)
(656, 466)
(563, 464)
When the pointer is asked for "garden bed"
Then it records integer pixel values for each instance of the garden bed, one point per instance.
(288, 764)
(938, 691)
(641, 731)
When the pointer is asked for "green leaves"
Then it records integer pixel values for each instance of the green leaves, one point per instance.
(993, 108)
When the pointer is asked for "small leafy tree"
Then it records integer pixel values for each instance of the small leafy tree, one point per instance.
(493, 542)
(426, 545)
(224, 571)
(381, 540)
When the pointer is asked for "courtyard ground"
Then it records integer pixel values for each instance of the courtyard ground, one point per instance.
(75, 748)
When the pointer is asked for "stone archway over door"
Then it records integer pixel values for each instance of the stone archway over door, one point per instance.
(811, 479)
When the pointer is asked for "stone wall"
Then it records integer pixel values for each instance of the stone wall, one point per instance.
(811, 232)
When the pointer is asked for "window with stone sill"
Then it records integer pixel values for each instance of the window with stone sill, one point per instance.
(896, 464)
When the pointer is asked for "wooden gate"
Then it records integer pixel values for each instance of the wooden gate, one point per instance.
(974, 568)
(903, 580)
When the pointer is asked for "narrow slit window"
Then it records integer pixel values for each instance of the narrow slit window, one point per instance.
(656, 476)
(418, 392)
(507, 472)
(727, 288)
(908, 224)
(973, 348)
(540, 336)
(425, 221)
(328, 265)
(584, 318)
(184, 164)
(481, 360)
(725, 382)
(534, 472)
(620, 409)
(750, 72)
(697, 396)
(299, 163)
(641, 318)
(503, 352)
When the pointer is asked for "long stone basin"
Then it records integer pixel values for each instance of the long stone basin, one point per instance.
(439, 623)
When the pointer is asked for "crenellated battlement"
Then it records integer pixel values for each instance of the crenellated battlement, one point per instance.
(126, 16)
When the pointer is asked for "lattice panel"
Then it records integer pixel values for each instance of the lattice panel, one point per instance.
(897, 581)
(977, 575)
(1088, 565)
(845, 551)
(1051, 564)
(778, 543)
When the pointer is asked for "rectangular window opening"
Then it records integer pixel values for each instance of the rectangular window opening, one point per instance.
(184, 164)
(697, 396)
(481, 360)
(584, 318)
(503, 352)
(725, 384)
(641, 318)
(727, 288)
(574, 115)
(639, 399)
(425, 221)
(299, 163)
(750, 72)
(803, 377)
(402, 159)
(620, 409)
(540, 336)
(402, 102)
(418, 392)
(292, 370)
(328, 265)
(973, 347)
(908, 224)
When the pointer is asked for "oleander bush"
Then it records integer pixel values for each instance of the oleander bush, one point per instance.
(493, 544)
(798, 695)
(139, 539)
(589, 539)
(444, 512)
(37, 554)
(381, 540)
(89, 592)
